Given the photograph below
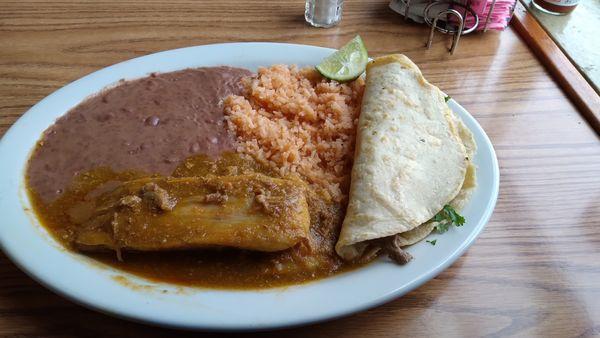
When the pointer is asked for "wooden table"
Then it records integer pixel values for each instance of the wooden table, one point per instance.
(535, 270)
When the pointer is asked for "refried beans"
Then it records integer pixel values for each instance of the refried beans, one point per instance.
(150, 124)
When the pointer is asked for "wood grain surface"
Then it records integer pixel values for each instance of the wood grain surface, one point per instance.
(577, 88)
(535, 270)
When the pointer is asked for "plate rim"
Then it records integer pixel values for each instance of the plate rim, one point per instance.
(398, 292)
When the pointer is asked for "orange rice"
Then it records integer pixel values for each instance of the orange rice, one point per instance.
(296, 121)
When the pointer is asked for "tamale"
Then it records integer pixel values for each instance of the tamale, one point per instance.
(253, 212)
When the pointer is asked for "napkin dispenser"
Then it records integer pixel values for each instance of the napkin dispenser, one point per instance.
(456, 17)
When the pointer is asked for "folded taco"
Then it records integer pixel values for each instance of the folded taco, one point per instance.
(413, 157)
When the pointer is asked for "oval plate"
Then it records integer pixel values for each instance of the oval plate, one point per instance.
(102, 288)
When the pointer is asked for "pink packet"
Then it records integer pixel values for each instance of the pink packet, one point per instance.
(499, 19)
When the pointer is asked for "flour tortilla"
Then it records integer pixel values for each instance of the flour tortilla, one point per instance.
(412, 157)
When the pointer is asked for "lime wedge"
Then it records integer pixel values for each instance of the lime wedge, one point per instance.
(347, 63)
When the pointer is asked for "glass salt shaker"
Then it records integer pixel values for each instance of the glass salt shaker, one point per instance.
(323, 13)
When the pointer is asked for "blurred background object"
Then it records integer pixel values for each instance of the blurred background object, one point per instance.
(573, 30)
(556, 7)
(575, 34)
(490, 14)
(323, 13)
(456, 17)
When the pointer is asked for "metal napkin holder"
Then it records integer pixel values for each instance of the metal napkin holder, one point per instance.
(451, 10)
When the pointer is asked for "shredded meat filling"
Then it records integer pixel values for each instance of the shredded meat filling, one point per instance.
(132, 201)
(262, 198)
(388, 245)
(216, 197)
(392, 248)
(158, 196)
(371, 252)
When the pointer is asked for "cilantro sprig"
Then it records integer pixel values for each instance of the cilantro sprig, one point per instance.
(446, 217)
(432, 242)
(447, 98)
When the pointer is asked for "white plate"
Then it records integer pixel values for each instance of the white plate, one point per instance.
(94, 285)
